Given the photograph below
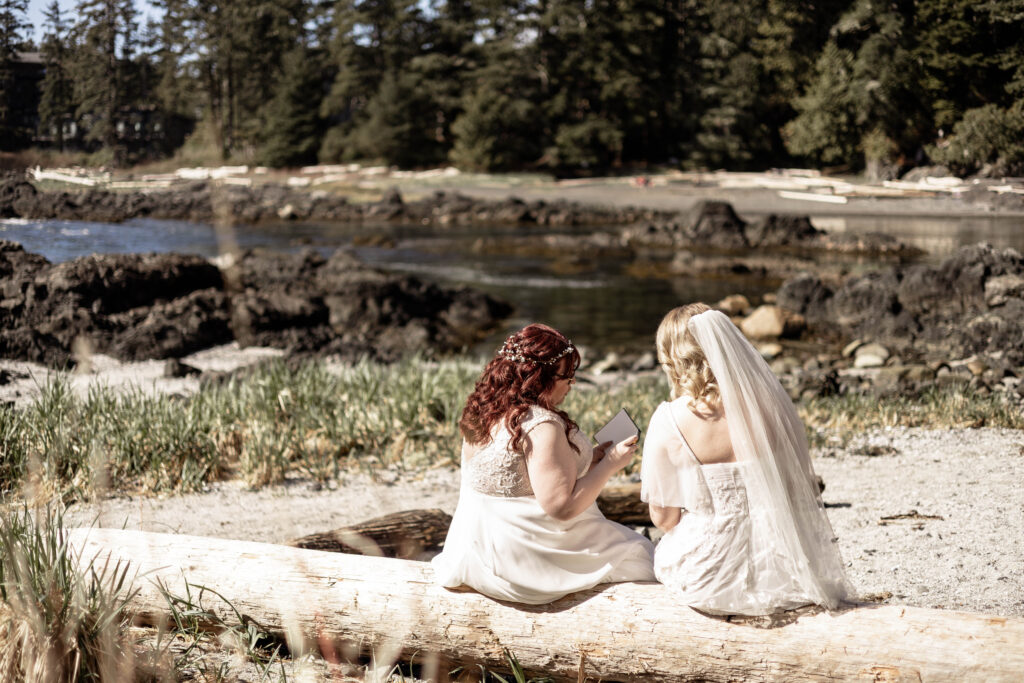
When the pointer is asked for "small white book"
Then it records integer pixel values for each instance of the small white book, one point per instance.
(619, 428)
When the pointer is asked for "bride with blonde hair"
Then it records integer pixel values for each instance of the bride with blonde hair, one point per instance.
(727, 475)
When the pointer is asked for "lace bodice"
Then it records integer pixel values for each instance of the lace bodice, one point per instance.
(496, 470)
(726, 489)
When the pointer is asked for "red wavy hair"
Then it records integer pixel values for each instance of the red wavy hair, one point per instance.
(508, 388)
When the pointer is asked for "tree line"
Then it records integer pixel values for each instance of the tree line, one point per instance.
(561, 85)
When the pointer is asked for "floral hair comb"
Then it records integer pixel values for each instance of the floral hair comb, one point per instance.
(511, 350)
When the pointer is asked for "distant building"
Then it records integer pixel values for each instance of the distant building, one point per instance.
(142, 130)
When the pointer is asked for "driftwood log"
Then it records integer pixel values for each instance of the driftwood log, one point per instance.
(416, 534)
(621, 503)
(342, 603)
(408, 535)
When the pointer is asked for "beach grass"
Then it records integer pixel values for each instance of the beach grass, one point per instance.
(839, 418)
(65, 618)
(58, 623)
(316, 419)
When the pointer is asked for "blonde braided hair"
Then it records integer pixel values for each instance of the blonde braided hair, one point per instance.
(682, 359)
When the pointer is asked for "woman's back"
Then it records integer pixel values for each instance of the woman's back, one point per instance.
(704, 430)
(709, 556)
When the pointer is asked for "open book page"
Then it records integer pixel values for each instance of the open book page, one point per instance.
(619, 428)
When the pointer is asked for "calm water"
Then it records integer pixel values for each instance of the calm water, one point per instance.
(597, 303)
(937, 235)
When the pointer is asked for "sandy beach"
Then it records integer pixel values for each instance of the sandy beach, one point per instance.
(930, 518)
(934, 522)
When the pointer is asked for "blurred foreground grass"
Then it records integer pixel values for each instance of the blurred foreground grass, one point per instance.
(316, 419)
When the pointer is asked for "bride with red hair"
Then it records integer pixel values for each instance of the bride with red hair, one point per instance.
(527, 527)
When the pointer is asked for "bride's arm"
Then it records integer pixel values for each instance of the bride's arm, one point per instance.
(665, 518)
(551, 464)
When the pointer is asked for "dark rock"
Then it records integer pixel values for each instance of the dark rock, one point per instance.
(15, 193)
(923, 288)
(170, 329)
(807, 295)
(25, 343)
(136, 306)
(175, 368)
(715, 224)
(969, 304)
(112, 283)
(864, 298)
(919, 173)
(8, 376)
(778, 231)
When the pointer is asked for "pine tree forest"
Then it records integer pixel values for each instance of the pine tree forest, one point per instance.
(560, 86)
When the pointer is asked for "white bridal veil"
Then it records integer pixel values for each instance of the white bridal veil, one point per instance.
(789, 527)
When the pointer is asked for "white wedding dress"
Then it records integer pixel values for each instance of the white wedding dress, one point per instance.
(753, 537)
(502, 543)
(709, 557)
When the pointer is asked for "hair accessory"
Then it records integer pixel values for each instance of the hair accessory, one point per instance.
(511, 350)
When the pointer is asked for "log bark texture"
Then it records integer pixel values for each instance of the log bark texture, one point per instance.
(621, 503)
(616, 632)
(407, 535)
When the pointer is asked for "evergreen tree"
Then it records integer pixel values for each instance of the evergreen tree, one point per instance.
(663, 50)
(988, 138)
(498, 127)
(500, 124)
(292, 127)
(13, 26)
(237, 50)
(177, 88)
(731, 131)
(866, 104)
(445, 67)
(790, 37)
(826, 129)
(56, 105)
(579, 52)
(1007, 20)
(397, 124)
(954, 42)
(374, 43)
(105, 30)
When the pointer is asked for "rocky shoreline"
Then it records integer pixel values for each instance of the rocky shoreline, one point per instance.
(899, 329)
(214, 202)
(158, 306)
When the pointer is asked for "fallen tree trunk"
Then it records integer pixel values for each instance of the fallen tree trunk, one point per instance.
(407, 535)
(626, 632)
